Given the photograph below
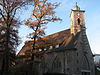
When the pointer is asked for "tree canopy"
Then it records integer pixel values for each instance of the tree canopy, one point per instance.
(42, 14)
(9, 24)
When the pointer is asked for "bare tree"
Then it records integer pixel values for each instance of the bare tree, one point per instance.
(9, 30)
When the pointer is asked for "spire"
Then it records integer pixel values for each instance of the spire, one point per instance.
(76, 7)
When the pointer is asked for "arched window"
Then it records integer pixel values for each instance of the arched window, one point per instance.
(78, 21)
(56, 65)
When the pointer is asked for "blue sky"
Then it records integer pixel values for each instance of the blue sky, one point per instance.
(92, 21)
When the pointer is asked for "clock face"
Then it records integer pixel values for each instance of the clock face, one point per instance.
(78, 14)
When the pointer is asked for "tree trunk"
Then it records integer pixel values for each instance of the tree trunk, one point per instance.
(6, 54)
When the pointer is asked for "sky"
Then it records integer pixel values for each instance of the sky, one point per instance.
(92, 21)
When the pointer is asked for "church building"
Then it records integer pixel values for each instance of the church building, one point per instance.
(66, 52)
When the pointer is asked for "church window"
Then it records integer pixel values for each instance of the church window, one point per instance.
(68, 69)
(56, 65)
(77, 54)
(78, 69)
(69, 58)
(77, 61)
(78, 21)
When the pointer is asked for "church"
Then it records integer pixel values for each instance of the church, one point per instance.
(64, 53)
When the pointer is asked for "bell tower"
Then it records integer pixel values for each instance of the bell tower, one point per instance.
(77, 19)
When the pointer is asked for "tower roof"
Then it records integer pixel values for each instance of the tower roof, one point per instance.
(76, 7)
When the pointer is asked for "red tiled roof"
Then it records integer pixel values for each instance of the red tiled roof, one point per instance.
(63, 38)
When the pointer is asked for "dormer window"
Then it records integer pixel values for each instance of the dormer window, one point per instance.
(45, 49)
(40, 50)
(57, 46)
(51, 47)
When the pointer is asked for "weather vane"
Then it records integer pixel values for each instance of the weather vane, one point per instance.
(76, 1)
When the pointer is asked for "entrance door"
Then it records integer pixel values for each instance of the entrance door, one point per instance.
(54, 74)
(85, 73)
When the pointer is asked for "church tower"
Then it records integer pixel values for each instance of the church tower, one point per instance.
(77, 19)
